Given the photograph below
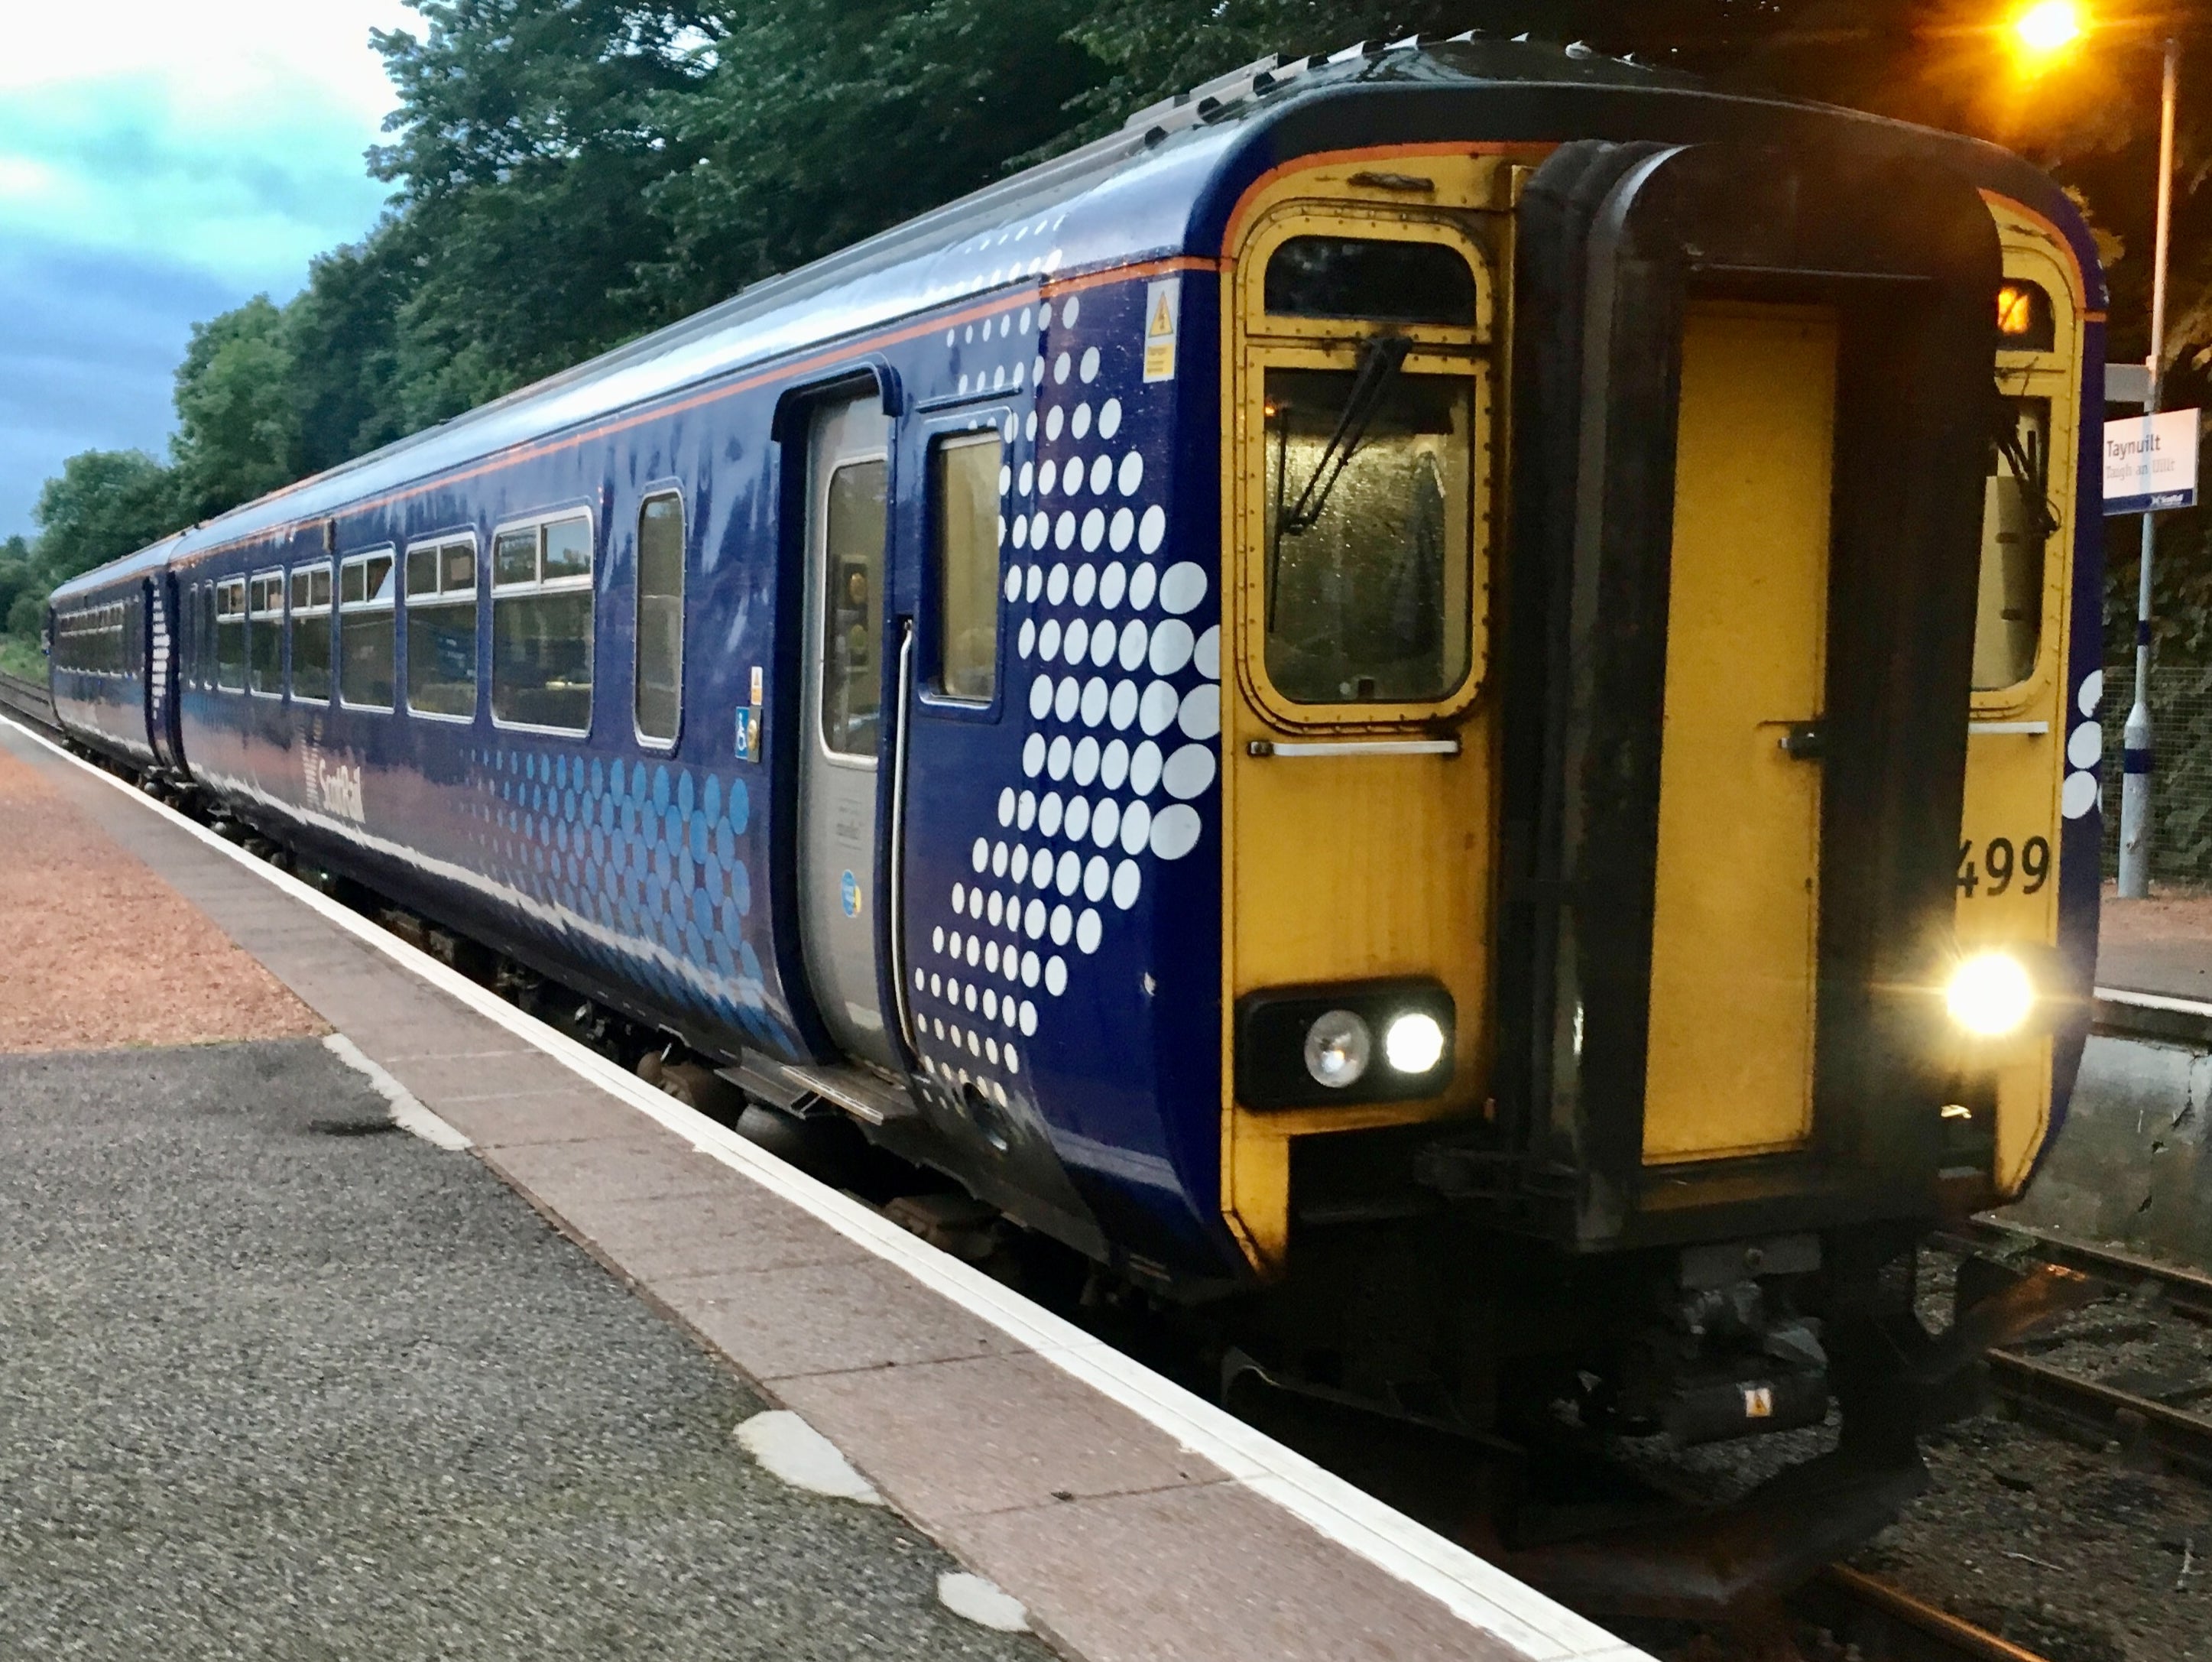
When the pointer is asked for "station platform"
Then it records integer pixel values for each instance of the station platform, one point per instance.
(352, 1312)
(2161, 945)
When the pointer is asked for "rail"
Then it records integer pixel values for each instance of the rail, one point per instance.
(1880, 1619)
(26, 697)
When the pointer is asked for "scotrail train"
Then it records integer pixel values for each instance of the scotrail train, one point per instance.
(1445, 701)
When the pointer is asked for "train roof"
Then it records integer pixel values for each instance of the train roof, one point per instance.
(1161, 186)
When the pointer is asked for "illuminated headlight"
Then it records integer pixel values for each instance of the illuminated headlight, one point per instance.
(1338, 1046)
(1991, 994)
(1413, 1043)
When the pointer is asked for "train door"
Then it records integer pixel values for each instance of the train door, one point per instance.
(162, 637)
(848, 476)
(1734, 938)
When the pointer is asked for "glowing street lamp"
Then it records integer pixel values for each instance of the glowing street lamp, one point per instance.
(2048, 27)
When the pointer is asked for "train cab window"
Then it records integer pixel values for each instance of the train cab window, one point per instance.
(541, 625)
(852, 616)
(365, 631)
(311, 633)
(1368, 568)
(2017, 523)
(965, 542)
(1372, 278)
(230, 634)
(658, 701)
(441, 628)
(264, 633)
(2025, 321)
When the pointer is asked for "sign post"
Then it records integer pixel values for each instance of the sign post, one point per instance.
(2136, 737)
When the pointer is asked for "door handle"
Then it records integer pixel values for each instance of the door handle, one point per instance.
(897, 874)
(1804, 741)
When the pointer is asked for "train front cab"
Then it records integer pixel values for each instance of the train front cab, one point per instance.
(1623, 906)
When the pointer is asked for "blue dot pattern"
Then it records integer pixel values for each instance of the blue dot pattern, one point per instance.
(637, 867)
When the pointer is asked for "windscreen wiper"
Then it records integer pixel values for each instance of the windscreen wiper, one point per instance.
(1380, 360)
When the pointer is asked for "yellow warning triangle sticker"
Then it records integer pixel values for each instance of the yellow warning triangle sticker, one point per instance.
(1163, 321)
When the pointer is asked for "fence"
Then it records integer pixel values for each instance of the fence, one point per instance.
(2181, 787)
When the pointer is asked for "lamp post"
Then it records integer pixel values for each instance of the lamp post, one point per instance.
(2041, 31)
(2136, 737)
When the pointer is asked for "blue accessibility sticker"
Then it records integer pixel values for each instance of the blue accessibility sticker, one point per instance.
(851, 890)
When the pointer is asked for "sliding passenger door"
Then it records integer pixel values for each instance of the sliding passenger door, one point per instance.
(847, 477)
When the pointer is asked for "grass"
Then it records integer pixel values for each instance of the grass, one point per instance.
(20, 657)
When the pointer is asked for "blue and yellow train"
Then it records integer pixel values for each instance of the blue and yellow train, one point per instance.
(1447, 697)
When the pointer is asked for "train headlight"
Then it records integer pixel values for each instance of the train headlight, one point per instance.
(1338, 1046)
(1334, 1044)
(1413, 1043)
(1991, 994)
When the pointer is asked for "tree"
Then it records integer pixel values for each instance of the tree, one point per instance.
(238, 425)
(103, 505)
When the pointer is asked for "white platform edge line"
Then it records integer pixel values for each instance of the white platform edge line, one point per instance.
(1476, 1591)
(407, 1113)
(2152, 1001)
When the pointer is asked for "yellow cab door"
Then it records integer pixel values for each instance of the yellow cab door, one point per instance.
(1359, 748)
(2023, 741)
(1734, 937)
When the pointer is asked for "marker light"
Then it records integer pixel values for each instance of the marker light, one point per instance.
(2048, 26)
(1990, 995)
(1338, 1045)
(1413, 1043)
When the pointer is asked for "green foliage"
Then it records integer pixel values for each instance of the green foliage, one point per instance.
(104, 504)
(238, 422)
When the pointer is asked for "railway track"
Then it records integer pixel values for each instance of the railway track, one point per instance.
(1885, 1623)
(2166, 1427)
(19, 697)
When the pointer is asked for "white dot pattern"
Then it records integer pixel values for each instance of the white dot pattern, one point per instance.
(1117, 686)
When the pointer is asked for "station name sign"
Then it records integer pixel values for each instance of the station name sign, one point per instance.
(2150, 462)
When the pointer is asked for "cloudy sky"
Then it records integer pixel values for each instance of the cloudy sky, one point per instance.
(162, 165)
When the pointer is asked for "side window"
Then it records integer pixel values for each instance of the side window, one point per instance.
(2017, 523)
(853, 608)
(230, 634)
(311, 633)
(964, 477)
(659, 697)
(365, 631)
(441, 628)
(264, 630)
(541, 626)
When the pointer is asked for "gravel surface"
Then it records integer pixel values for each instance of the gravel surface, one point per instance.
(95, 951)
(2071, 1551)
(279, 1381)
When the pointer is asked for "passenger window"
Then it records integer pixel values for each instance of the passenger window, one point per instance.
(1372, 279)
(441, 629)
(659, 692)
(311, 633)
(853, 613)
(230, 634)
(264, 629)
(365, 631)
(964, 538)
(1368, 567)
(2017, 522)
(541, 626)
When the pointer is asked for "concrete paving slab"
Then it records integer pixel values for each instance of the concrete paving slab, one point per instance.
(576, 1177)
(827, 1318)
(565, 1113)
(1211, 1571)
(989, 1436)
(728, 1232)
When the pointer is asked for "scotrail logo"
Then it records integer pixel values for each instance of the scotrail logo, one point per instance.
(332, 786)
